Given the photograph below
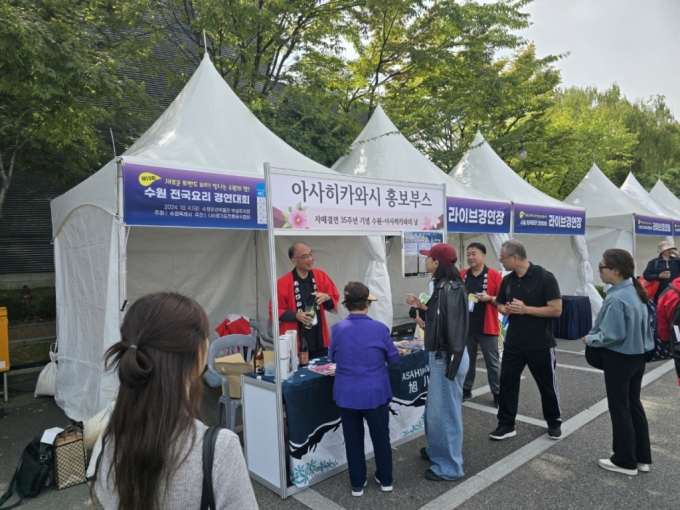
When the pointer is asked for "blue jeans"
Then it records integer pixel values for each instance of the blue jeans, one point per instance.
(444, 418)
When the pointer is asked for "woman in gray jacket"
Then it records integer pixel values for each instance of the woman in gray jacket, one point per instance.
(617, 344)
(446, 324)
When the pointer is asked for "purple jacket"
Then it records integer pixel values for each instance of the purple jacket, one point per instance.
(361, 347)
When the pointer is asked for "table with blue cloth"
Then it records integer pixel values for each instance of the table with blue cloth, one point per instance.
(576, 320)
(313, 419)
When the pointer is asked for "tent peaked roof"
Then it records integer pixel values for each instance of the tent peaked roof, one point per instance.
(605, 204)
(665, 197)
(482, 169)
(382, 152)
(208, 127)
(634, 190)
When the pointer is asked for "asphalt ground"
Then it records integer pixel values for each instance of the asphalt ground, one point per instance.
(525, 472)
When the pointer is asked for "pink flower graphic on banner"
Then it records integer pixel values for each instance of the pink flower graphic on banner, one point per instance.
(297, 219)
(427, 223)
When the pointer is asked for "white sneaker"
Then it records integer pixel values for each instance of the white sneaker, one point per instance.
(359, 492)
(643, 468)
(609, 465)
(385, 488)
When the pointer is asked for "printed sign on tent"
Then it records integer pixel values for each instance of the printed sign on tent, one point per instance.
(166, 197)
(477, 216)
(412, 262)
(534, 219)
(314, 202)
(676, 227)
(651, 226)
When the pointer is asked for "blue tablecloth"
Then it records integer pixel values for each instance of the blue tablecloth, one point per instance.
(313, 419)
(576, 319)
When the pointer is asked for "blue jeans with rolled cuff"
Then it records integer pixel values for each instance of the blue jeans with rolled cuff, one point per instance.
(444, 418)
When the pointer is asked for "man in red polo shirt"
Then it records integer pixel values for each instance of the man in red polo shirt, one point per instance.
(482, 284)
(665, 309)
(297, 291)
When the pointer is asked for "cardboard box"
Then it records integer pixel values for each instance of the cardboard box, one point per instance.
(234, 366)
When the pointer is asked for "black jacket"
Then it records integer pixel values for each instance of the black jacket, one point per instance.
(659, 265)
(446, 323)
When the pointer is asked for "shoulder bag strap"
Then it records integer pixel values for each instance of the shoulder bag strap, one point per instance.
(10, 489)
(209, 442)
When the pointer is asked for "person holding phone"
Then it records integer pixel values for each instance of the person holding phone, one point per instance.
(665, 268)
(446, 321)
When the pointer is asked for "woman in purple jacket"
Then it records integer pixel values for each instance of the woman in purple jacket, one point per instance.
(361, 348)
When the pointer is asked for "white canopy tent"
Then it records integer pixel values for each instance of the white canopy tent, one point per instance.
(100, 261)
(632, 187)
(565, 256)
(610, 219)
(665, 197)
(382, 152)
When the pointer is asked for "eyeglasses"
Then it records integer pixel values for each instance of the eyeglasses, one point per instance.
(306, 256)
(600, 267)
(502, 258)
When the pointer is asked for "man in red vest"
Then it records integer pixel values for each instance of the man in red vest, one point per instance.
(482, 284)
(301, 289)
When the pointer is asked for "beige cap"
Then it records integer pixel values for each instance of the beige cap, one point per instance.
(663, 246)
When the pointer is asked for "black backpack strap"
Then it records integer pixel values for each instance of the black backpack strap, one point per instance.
(209, 442)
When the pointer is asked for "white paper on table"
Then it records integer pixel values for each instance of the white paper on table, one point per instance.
(50, 435)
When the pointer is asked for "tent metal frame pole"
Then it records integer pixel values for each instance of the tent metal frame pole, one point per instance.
(283, 482)
(634, 245)
(122, 242)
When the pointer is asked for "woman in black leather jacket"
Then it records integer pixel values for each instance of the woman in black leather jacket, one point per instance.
(446, 320)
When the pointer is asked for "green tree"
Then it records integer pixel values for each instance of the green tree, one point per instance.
(61, 80)
(253, 43)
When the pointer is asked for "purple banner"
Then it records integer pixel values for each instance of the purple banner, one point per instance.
(651, 226)
(165, 197)
(533, 219)
(477, 216)
(676, 227)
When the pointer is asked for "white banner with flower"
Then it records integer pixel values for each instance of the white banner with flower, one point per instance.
(312, 201)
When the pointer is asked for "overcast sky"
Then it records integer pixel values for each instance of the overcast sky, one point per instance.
(635, 43)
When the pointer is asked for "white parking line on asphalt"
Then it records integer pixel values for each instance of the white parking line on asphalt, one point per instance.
(507, 465)
(570, 352)
(493, 410)
(312, 499)
(585, 369)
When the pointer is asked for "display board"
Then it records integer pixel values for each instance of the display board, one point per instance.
(477, 216)
(341, 204)
(413, 263)
(653, 226)
(535, 219)
(168, 197)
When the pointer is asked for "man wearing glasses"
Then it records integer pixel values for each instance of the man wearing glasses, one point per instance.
(299, 291)
(530, 297)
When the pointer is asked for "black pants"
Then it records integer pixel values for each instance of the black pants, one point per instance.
(541, 363)
(623, 380)
(378, 421)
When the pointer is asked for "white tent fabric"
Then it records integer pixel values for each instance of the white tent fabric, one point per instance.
(665, 197)
(382, 152)
(610, 219)
(482, 169)
(206, 128)
(632, 187)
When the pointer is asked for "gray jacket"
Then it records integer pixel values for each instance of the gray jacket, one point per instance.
(446, 323)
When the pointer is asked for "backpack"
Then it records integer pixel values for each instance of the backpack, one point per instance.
(661, 350)
(32, 472)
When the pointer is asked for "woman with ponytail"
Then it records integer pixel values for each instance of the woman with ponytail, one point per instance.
(617, 344)
(152, 452)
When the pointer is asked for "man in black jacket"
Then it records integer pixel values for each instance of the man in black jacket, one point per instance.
(530, 297)
(446, 323)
